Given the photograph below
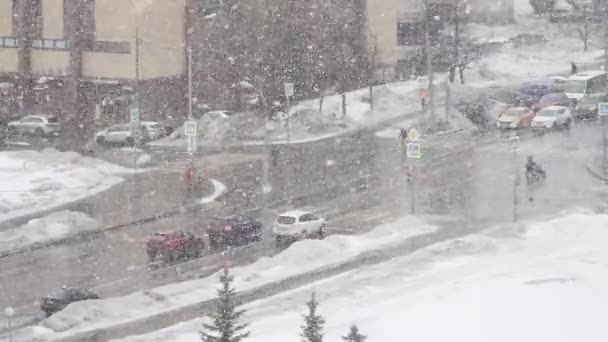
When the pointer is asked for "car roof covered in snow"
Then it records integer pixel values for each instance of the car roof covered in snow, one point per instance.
(295, 213)
(555, 107)
(585, 75)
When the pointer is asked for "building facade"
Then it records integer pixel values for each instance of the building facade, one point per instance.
(87, 59)
(381, 32)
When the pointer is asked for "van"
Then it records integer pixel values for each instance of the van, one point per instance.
(585, 83)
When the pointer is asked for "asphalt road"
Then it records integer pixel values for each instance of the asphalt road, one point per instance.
(458, 176)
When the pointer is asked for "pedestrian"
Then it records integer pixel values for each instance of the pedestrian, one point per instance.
(573, 68)
(423, 102)
(189, 177)
(452, 72)
(275, 155)
(403, 134)
(461, 67)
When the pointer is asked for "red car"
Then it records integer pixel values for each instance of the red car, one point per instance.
(174, 245)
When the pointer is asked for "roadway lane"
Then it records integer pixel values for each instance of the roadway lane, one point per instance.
(458, 176)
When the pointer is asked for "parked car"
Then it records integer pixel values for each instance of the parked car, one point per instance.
(553, 99)
(517, 117)
(538, 89)
(231, 231)
(510, 97)
(215, 114)
(586, 107)
(38, 125)
(297, 224)
(58, 301)
(119, 135)
(552, 117)
(152, 130)
(174, 245)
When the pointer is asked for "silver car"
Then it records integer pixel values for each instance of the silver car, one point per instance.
(119, 135)
(38, 125)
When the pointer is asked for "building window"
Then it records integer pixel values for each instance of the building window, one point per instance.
(50, 44)
(8, 42)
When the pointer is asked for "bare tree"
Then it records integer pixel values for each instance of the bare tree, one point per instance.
(585, 28)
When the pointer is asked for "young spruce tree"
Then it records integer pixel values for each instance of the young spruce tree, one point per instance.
(354, 335)
(225, 327)
(312, 330)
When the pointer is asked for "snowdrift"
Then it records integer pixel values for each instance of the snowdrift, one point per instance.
(44, 230)
(546, 281)
(33, 181)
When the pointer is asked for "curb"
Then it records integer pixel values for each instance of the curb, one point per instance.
(595, 174)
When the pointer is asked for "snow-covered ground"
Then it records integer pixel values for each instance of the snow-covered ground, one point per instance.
(47, 229)
(301, 257)
(32, 181)
(539, 282)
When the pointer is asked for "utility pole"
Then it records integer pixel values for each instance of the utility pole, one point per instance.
(514, 142)
(429, 66)
(605, 16)
(189, 50)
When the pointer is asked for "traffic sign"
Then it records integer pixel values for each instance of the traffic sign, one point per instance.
(190, 128)
(414, 150)
(413, 134)
(423, 82)
(135, 115)
(289, 89)
(602, 109)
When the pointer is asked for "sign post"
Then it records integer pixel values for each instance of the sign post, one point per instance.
(413, 152)
(289, 91)
(602, 113)
(190, 132)
(514, 146)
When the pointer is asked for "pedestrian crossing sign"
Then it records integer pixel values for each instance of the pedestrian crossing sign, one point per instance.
(413, 134)
(602, 109)
(414, 150)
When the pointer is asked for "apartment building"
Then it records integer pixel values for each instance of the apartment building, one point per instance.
(381, 22)
(88, 59)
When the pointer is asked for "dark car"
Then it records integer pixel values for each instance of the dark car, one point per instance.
(174, 245)
(232, 231)
(57, 302)
(586, 107)
(553, 99)
(538, 89)
(510, 97)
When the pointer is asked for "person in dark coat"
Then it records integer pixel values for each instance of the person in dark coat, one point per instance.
(573, 68)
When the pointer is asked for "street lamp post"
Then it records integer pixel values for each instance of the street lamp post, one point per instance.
(266, 187)
(9, 312)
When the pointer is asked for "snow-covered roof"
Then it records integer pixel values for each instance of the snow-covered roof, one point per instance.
(585, 75)
(295, 213)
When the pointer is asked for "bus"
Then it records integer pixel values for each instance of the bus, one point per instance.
(585, 83)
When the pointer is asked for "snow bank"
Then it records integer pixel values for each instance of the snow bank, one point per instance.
(54, 227)
(31, 181)
(547, 282)
(301, 257)
(248, 128)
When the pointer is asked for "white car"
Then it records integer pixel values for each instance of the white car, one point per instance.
(38, 125)
(117, 135)
(552, 117)
(298, 224)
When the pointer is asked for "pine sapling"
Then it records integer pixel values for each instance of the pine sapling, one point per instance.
(225, 326)
(312, 330)
(354, 335)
